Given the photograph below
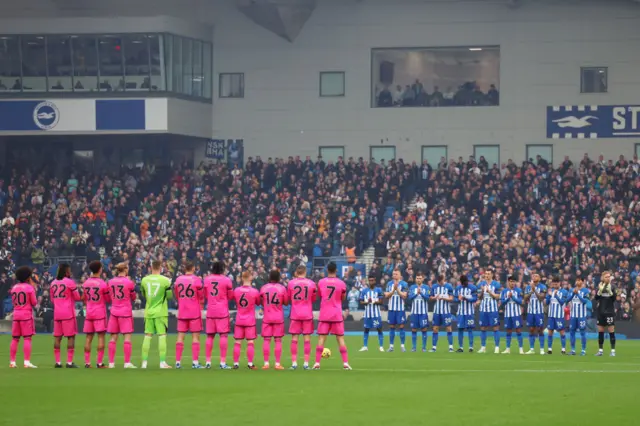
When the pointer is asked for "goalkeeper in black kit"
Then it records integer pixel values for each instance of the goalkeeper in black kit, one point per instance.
(605, 298)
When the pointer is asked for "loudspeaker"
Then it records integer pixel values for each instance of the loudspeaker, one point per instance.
(386, 72)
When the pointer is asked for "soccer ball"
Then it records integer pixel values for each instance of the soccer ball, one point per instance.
(326, 353)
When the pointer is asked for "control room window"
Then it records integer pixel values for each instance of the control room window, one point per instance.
(331, 154)
(379, 154)
(111, 63)
(231, 85)
(544, 151)
(434, 154)
(136, 62)
(34, 64)
(85, 63)
(59, 63)
(10, 64)
(332, 84)
(594, 79)
(487, 153)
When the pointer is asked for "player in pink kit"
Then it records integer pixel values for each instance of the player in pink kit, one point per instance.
(95, 296)
(273, 296)
(188, 293)
(332, 291)
(302, 293)
(246, 298)
(64, 295)
(122, 292)
(23, 297)
(219, 291)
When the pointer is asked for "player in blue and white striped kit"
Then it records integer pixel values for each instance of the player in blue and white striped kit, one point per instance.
(578, 300)
(419, 295)
(511, 299)
(466, 294)
(556, 298)
(534, 296)
(372, 298)
(442, 294)
(489, 295)
(396, 293)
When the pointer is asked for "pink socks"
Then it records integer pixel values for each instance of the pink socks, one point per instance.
(56, 355)
(195, 351)
(236, 352)
(278, 350)
(127, 352)
(266, 350)
(112, 352)
(224, 343)
(13, 350)
(319, 350)
(343, 354)
(208, 349)
(179, 349)
(294, 351)
(307, 351)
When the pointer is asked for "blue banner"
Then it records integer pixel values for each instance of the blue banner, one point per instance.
(215, 149)
(593, 121)
(343, 268)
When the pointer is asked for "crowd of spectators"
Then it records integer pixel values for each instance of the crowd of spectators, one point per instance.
(570, 220)
(415, 95)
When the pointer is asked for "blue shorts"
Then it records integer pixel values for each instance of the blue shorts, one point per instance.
(466, 321)
(556, 324)
(441, 320)
(419, 321)
(512, 323)
(535, 320)
(489, 319)
(396, 318)
(577, 324)
(370, 323)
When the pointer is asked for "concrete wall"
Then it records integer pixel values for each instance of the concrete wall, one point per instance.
(543, 45)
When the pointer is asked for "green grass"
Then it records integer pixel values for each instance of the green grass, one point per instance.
(383, 389)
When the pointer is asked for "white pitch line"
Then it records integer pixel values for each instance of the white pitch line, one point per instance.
(403, 370)
(501, 359)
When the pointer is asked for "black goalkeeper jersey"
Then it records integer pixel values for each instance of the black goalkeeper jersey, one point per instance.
(606, 304)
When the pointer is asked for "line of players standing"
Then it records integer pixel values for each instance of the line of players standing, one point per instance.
(489, 297)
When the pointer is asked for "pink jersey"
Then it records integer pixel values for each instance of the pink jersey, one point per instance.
(302, 293)
(331, 290)
(24, 299)
(96, 296)
(273, 296)
(246, 300)
(219, 291)
(122, 292)
(64, 294)
(188, 292)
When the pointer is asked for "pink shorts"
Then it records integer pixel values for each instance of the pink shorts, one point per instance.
(120, 325)
(190, 325)
(272, 330)
(244, 332)
(217, 325)
(301, 327)
(66, 328)
(335, 328)
(94, 326)
(23, 328)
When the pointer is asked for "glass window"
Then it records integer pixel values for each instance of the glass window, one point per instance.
(111, 63)
(382, 153)
(157, 58)
(196, 89)
(434, 155)
(435, 77)
(168, 60)
(34, 64)
(488, 153)
(135, 48)
(9, 64)
(207, 75)
(59, 63)
(330, 154)
(187, 66)
(593, 79)
(176, 56)
(231, 85)
(638, 150)
(85, 63)
(544, 151)
(332, 84)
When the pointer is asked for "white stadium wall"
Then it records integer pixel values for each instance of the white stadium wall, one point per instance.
(542, 47)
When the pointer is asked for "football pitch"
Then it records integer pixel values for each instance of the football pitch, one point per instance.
(383, 389)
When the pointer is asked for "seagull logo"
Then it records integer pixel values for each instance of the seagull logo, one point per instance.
(46, 115)
(575, 122)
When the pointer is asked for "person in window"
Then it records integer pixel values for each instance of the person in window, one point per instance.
(408, 96)
(542, 162)
(448, 96)
(397, 95)
(493, 95)
(78, 85)
(436, 97)
(2, 86)
(384, 98)
(17, 85)
(478, 98)
(58, 86)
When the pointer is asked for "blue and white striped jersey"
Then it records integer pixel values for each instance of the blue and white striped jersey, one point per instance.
(488, 303)
(579, 303)
(512, 302)
(396, 303)
(375, 295)
(470, 294)
(419, 295)
(442, 306)
(555, 301)
(535, 305)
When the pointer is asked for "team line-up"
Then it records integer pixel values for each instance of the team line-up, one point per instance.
(191, 291)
